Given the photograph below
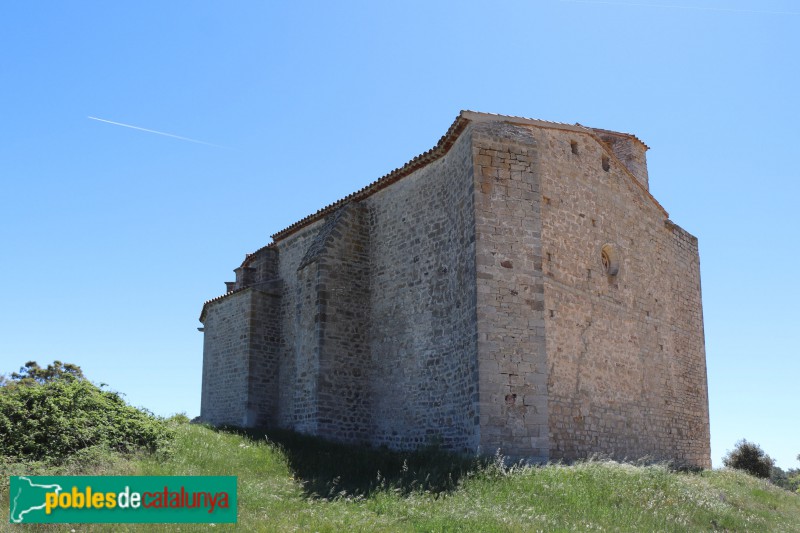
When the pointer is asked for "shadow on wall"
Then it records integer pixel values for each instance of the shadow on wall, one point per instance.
(329, 470)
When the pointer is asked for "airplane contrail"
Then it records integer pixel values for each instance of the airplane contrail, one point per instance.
(695, 8)
(154, 131)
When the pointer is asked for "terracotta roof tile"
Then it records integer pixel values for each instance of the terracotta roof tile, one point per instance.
(218, 298)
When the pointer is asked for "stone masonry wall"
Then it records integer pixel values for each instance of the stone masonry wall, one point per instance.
(625, 351)
(378, 315)
(511, 336)
(689, 424)
(629, 151)
(324, 367)
(258, 268)
(263, 363)
(299, 358)
(240, 358)
(342, 320)
(422, 339)
(225, 360)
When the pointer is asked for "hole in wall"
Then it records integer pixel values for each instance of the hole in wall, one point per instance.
(606, 164)
(574, 147)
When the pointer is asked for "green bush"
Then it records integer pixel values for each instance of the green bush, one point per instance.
(54, 417)
(749, 457)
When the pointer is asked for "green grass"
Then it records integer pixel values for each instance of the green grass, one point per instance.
(296, 483)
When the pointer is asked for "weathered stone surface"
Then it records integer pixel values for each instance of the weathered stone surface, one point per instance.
(516, 288)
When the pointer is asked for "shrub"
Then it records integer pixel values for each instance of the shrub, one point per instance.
(179, 418)
(749, 457)
(55, 416)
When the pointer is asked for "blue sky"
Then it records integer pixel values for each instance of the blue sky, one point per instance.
(112, 237)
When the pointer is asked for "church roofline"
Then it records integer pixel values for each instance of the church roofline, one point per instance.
(464, 118)
(619, 133)
(477, 116)
(440, 149)
(257, 287)
(218, 298)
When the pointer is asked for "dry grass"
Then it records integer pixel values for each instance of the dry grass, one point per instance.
(294, 483)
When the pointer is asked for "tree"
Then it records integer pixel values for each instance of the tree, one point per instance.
(794, 477)
(749, 457)
(32, 373)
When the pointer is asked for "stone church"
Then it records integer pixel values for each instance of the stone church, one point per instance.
(516, 287)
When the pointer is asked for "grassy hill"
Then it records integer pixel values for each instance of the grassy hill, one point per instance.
(293, 483)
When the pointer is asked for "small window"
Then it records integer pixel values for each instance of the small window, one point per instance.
(606, 164)
(608, 256)
(574, 146)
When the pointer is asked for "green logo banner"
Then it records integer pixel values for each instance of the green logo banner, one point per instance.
(122, 499)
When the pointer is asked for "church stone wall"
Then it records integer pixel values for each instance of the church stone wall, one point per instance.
(422, 341)
(240, 358)
(265, 343)
(299, 359)
(378, 315)
(225, 360)
(343, 320)
(511, 338)
(625, 352)
(629, 151)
